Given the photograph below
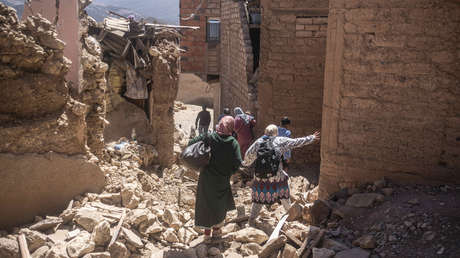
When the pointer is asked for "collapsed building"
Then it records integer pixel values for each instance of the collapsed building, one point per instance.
(378, 77)
(54, 124)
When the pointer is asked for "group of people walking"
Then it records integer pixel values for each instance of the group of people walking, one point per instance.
(232, 146)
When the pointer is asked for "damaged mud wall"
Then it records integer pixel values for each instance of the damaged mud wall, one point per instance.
(292, 60)
(92, 84)
(165, 65)
(40, 124)
(391, 97)
(236, 56)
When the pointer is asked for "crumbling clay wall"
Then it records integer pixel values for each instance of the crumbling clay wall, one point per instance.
(292, 61)
(165, 65)
(391, 97)
(93, 84)
(37, 115)
(236, 60)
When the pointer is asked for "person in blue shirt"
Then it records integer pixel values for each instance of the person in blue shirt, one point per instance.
(283, 130)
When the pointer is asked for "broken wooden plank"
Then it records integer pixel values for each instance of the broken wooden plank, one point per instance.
(272, 246)
(309, 244)
(171, 26)
(23, 246)
(125, 51)
(292, 238)
(117, 229)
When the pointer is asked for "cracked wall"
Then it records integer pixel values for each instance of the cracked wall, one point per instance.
(43, 128)
(391, 93)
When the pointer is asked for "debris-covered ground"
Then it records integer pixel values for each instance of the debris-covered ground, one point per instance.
(145, 212)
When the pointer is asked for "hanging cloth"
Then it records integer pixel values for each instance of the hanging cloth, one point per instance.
(136, 85)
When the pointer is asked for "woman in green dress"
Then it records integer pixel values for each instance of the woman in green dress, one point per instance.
(214, 195)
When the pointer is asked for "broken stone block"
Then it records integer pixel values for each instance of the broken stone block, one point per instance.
(34, 239)
(137, 216)
(295, 212)
(57, 251)
(118, 250)
(9, 248)
(132, 238)
(320, 211)
(365, 242)
(130, 197)
(250, 249)
(334, 245)
(80, 245)
(289, 252)
(48, 223)
(323, 253)
(88, 218)
(101, 234)
(59, 236)
(170, 236)
(97, 255)
(363, 200)
(40, 252)
(251, 235)
(387, 191)
(201, 251)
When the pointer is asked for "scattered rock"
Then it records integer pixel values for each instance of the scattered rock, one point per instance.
(9, 248)
(34, 239)
(101, 233)
(429, 236)
(414, 201)
(201, 251)
(295, 212)
(320, 211)
(88, 218)
(213, 251)
(57, 251)
(251, 235)
(48, 223)
(97, 255)
(137, 216)
(170, 236)
(334, 245)
(289, 252)
(132, 238)
(323, 253)
(118, 250)
(363, 200)
(80, 245)
(365, 242)
(250, 249)
(40, 252)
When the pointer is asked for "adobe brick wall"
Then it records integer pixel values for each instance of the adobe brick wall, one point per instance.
(292, 59)
(391, 97)
(236, 60)
(194, 41)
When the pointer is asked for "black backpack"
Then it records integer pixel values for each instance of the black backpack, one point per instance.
(268, 160)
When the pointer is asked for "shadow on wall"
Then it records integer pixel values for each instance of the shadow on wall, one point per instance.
(194, 91)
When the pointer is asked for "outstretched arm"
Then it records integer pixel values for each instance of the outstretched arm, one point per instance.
(288, 143)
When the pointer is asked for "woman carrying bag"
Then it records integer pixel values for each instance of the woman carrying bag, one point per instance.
(214, 195)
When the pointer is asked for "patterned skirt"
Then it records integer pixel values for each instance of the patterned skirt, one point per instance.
(271, 190)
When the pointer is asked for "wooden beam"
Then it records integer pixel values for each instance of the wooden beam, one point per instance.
(23, 246)
(307, 246)
(272, 246)
(117, 229)
(172, 26)
(292, 238)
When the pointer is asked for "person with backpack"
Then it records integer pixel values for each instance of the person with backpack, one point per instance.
(214, 195)
(244, 125)
(270, 184)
